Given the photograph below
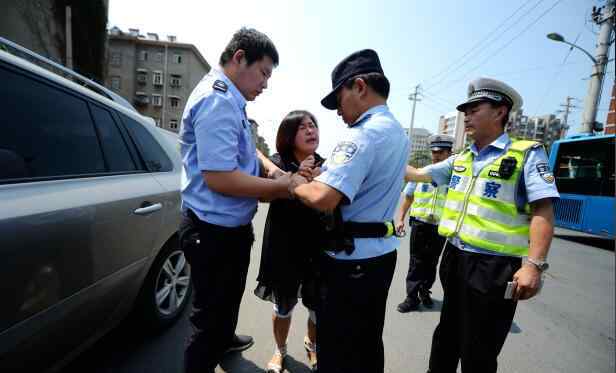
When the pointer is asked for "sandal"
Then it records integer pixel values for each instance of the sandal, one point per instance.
(311, 351)
(277, 368)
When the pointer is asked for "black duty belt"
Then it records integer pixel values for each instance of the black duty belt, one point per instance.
(369, 230)
(339, 235)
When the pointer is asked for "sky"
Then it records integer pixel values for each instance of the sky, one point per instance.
(440, 45)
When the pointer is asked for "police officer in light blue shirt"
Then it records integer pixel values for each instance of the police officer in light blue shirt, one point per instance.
(361, 183)
(483, 280)
(220, 187)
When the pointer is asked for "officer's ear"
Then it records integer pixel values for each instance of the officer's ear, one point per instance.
(239, 56)
(361, 86)
(500, 112)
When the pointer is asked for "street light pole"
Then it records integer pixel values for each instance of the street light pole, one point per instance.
(606, 20)
(605, 17)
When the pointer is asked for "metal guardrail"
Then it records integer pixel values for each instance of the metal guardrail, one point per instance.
(58, 69)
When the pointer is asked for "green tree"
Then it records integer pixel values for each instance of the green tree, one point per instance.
(420, 158)
(262, 146)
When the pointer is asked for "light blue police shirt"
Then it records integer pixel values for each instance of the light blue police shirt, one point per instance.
(215, 136)
(367, 168)
(537, 180)
(409, 189)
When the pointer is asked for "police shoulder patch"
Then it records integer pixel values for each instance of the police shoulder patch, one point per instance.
(459, 168)
(548, 177)
(219, 85)
(545, 173)
(344, 152)
(542, 167)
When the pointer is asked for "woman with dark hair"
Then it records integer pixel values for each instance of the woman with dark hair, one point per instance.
(287, 270)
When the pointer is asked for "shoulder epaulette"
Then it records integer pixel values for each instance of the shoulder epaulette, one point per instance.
(219, 85)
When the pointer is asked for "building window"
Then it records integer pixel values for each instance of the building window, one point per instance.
(157, 100)
(143, 56)
(175, 102)
(157, 78)
(141, 98)
(116, 59)
(176, 80)
(116, 83)
(142, 77)
(177, 58)
(173, 124)
(159, 57)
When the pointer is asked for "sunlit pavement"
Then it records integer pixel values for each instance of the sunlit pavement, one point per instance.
(569, 327)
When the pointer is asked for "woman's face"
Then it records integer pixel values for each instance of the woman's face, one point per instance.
(307, 136)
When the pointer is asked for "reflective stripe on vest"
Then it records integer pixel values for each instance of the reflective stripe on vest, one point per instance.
(428, 202)
(481, 210)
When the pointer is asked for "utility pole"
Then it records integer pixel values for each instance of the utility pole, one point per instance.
(69, 37)
(413, 97)
(603, 16)
(568, 106)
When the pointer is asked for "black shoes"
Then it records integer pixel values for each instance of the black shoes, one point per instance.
(409, 304)
(240, 343)
(412, 303)
(426, 299)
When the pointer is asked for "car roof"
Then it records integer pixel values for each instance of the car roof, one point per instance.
(33, 60)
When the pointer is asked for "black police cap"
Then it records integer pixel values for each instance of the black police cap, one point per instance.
(361, 62)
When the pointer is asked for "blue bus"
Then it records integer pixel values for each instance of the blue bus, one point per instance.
(583, 166)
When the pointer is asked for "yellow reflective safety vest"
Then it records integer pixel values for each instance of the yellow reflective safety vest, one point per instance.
(481, 210)
(428, 202)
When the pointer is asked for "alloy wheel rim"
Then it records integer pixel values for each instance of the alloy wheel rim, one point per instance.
(172, 283)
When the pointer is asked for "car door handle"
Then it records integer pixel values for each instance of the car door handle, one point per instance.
(150, 208)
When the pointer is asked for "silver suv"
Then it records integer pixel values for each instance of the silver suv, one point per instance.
(89, 211)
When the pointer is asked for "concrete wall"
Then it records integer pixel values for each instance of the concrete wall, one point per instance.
(33, 24)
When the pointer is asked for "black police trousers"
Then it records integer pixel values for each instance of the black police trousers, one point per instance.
(351, 313)
(219, 266)
(426, 246)
(475, 317)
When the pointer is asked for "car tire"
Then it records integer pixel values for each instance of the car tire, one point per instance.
(167, 288)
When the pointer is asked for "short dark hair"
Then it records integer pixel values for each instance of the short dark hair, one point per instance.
(285, 138)
(255, 44)
(377, 81)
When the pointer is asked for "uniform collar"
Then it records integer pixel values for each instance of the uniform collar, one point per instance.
(370, 112)
(239, 98)
(500, 143)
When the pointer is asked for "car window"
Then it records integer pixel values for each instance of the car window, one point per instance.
(46, 132)
(154, 156)
(114, 148)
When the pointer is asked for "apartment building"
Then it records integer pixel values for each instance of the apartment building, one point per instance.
(156, 75)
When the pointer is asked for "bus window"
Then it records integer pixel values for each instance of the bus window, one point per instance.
(586, 167)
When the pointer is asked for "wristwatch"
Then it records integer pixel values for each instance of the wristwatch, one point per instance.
(541, 265)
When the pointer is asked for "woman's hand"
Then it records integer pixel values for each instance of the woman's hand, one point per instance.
(306, 168)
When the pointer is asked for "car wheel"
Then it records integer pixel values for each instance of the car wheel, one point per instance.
(167, 288)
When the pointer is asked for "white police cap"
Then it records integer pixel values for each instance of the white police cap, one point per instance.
(486, 89)
(440, 142)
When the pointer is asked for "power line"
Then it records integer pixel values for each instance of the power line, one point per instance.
(515, 23)
(438, 100)
(491, 34)
(510, 40)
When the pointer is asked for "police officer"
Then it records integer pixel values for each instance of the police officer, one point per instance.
(220, 187)
(426, 203)
(360, 178)
(499, 222)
